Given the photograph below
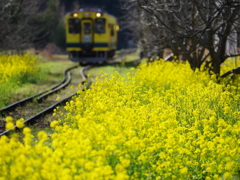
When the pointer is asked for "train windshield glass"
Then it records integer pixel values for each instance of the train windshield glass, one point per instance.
(87, 28)
(100, 26)
(74, 26)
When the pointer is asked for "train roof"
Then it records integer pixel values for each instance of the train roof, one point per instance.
(95, 10)
(92, 10)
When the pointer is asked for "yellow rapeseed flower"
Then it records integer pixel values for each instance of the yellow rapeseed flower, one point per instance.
(184, 170)
(227, 175)
(26, 130)
(9, 125)
(19, 123)
(53, 124)
(9, 119)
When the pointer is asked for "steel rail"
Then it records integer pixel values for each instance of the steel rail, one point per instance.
(44, 96)
(83, 76)
(50, 108)
(23, 101)
(127, 51)
(34, 117)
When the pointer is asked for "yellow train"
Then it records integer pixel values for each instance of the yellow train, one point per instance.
(91, 36)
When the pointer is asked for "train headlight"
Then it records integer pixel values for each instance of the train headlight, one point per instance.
(98, 14)
(117, 27)
(75, 15)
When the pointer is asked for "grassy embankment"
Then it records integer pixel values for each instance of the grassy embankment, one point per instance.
(25, 75)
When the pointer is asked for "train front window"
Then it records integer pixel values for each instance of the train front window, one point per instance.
(87, 28)
(100, 26)
(74, 26)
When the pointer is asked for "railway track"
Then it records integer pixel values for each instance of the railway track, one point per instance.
(42, 101)
(120, 56)
(45, 101)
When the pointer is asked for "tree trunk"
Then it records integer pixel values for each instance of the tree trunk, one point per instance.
(216, 66)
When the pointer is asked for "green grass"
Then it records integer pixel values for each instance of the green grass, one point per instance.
(49, 73)
(110, 69)
(128, 62)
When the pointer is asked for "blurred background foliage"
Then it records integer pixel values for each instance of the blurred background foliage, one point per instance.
(29, 24)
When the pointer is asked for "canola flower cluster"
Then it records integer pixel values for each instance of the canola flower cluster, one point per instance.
(16, 66)
(161, 122)
(10, 124)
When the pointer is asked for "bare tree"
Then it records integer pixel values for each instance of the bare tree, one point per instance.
(196, 29)
(22, 23)
(142, 29)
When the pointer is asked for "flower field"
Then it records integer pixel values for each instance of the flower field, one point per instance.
(16, 67)
(14, 71)
(161, 122)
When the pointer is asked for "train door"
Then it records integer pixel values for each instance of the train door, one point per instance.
(87, 33)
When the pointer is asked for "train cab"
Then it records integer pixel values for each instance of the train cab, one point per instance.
(91, 35)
